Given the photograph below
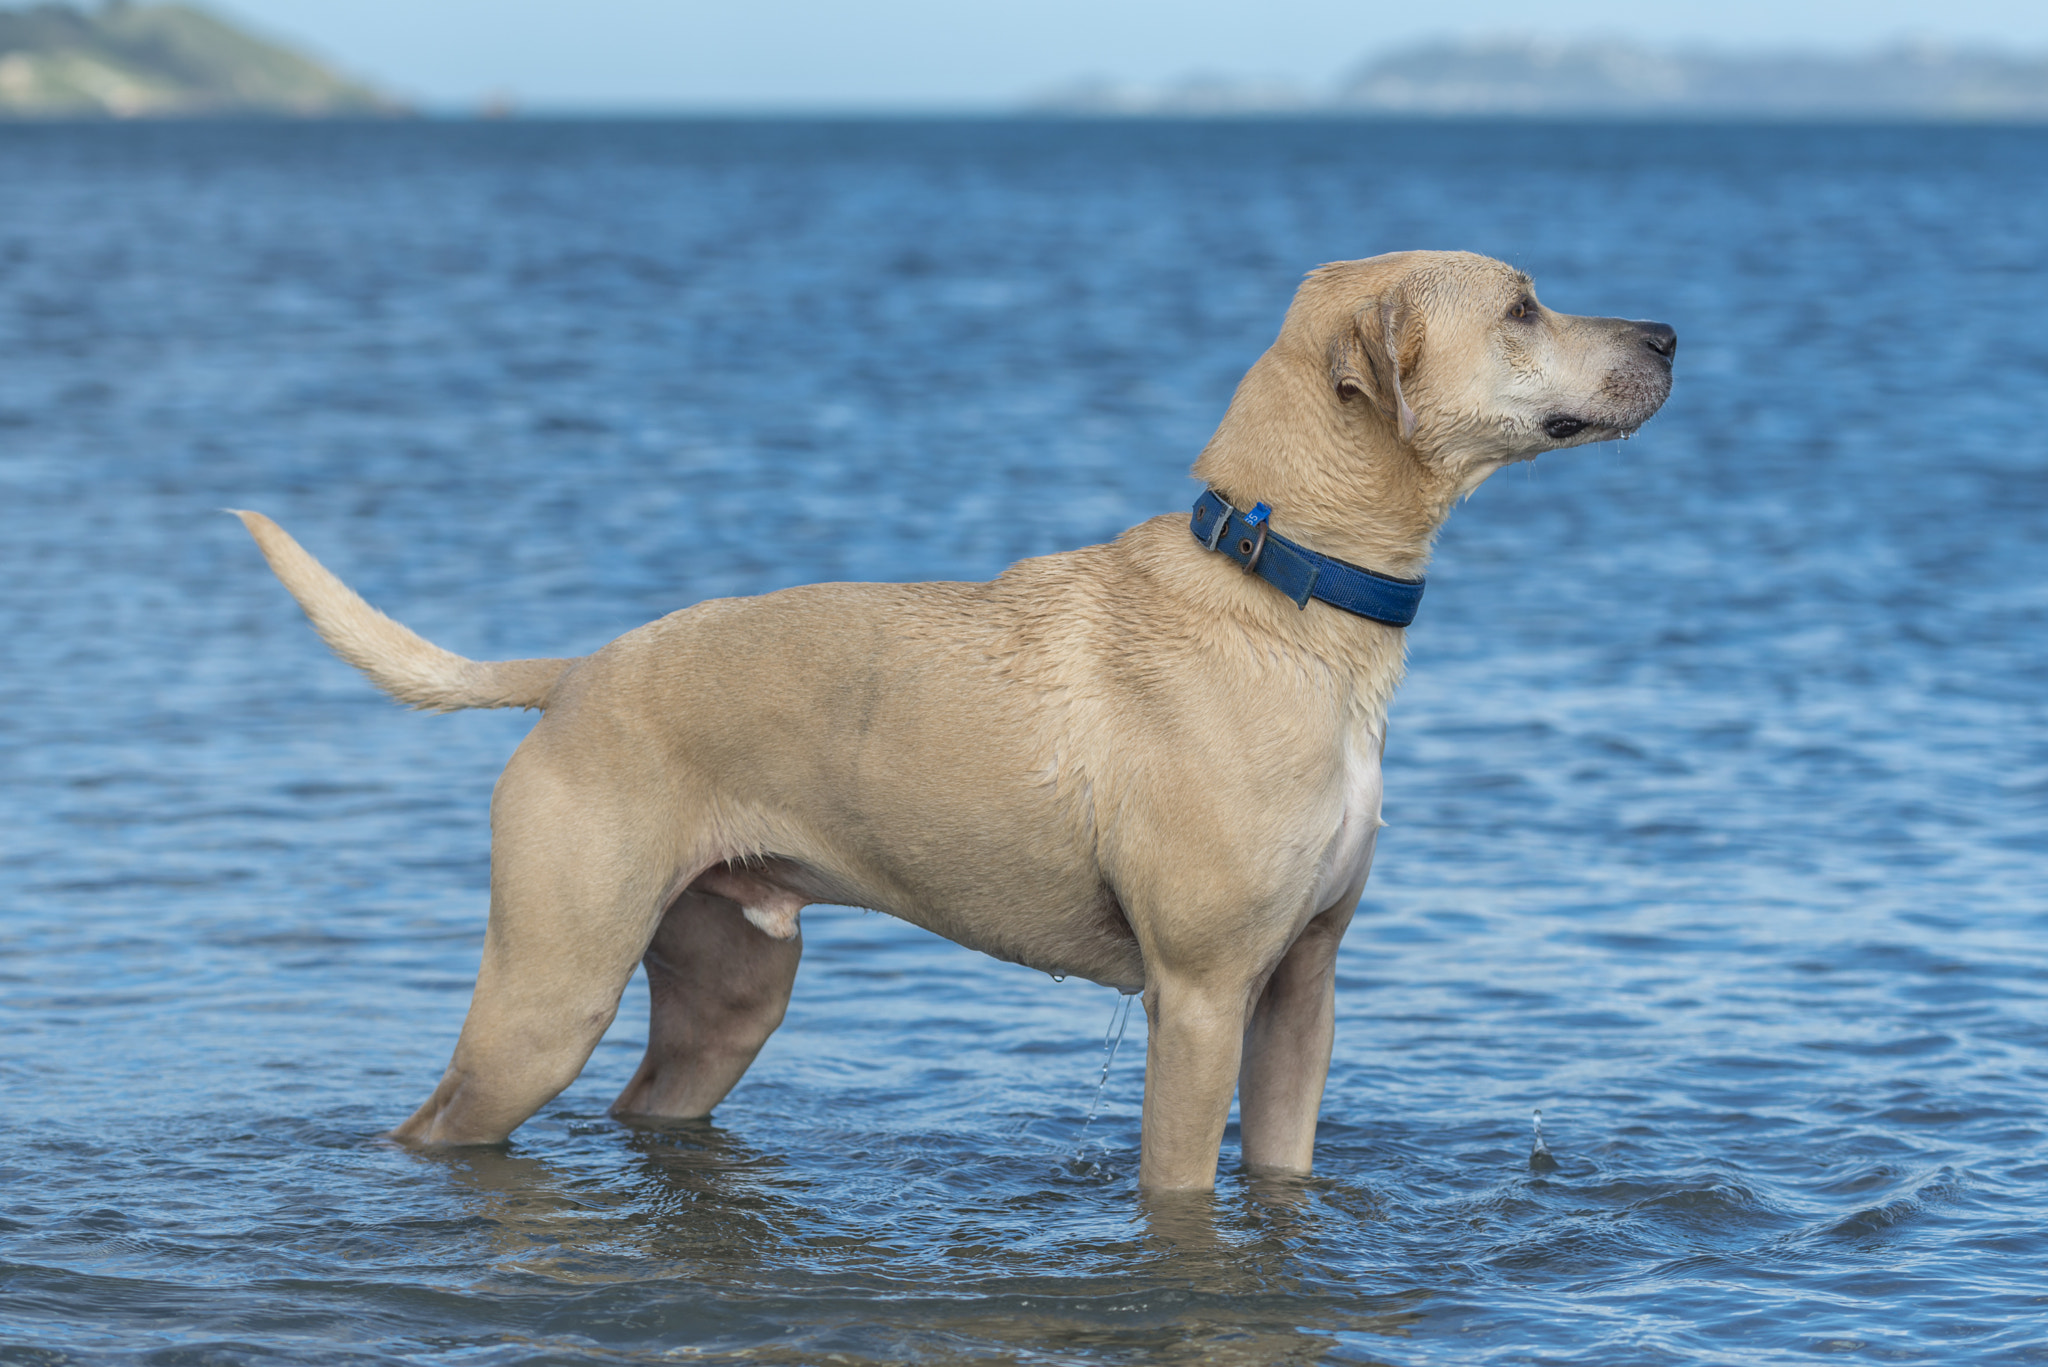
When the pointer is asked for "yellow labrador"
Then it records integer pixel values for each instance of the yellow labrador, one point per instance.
(1154, 763)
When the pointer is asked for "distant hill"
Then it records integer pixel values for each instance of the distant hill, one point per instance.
(1501, 77)
(1619, 80)
(141, 61)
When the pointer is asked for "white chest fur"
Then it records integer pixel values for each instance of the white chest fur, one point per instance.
(1347, 859)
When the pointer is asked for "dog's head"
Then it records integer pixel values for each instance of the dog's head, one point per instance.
(1399, 383)
(1453, 354)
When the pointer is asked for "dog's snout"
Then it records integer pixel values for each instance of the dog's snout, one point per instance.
(1660, 338)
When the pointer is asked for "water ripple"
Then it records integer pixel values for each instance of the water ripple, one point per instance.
(1716, 790)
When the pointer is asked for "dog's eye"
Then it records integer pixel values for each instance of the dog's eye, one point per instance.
(1520, 310)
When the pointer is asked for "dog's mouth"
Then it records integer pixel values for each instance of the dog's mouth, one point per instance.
(1566, 427)
(1626, 403)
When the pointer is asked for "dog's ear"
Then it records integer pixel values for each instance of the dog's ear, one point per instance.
(1369, 359)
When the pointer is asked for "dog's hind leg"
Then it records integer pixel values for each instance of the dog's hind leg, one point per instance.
(717, 985)
(1287, 1051)
(578, 880)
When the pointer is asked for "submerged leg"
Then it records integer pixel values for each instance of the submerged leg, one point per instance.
(1287, 1051)
(1194, 1030)
(717, 985)
(530, 1029)
(1209, 951)
(577, 881)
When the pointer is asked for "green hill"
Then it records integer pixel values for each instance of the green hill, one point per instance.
(144, 61)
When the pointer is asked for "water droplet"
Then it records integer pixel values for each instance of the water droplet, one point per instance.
(1540, 1159)
(1059, 977)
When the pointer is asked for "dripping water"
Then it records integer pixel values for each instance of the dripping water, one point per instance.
(1119, 1020)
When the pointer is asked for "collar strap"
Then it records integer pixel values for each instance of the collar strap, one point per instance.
(1297, 571)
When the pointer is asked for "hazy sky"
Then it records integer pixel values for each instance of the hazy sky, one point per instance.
(938, 53)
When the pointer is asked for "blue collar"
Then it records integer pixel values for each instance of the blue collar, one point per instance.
(1299, 572)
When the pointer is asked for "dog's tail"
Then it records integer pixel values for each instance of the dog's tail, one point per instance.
(407, 666)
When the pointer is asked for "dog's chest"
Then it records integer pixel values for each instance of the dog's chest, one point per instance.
(1347, 858)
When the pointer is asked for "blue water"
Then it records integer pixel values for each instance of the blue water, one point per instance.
(1717, 792)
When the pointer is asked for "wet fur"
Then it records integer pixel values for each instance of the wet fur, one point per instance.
(1128, 762)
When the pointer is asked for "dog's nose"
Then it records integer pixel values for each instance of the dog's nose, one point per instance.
(1660, 338)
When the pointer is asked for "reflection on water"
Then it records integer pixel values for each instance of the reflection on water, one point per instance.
(1716, 791)
(1184, 1277)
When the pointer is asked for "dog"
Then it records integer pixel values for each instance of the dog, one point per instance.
(1154, 764)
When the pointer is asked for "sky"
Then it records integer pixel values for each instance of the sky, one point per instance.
(940, 54)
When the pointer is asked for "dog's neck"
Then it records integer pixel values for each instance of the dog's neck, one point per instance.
(1339, 478)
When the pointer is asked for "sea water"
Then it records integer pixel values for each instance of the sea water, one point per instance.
(1718, 793)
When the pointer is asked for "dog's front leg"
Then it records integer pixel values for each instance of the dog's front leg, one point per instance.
(1195, 1029)
(1287, 1051)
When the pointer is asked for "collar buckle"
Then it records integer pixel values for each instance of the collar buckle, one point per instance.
(1261, 516)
